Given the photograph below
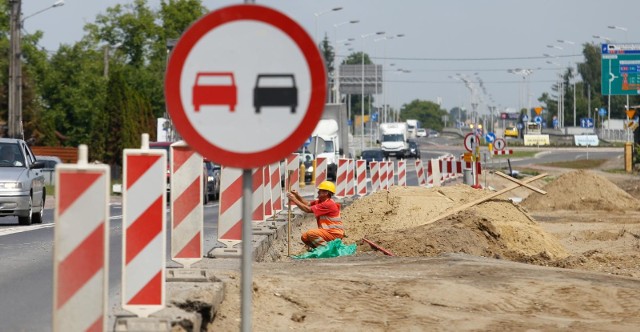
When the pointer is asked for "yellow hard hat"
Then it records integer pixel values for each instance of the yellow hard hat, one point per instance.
(328, 186)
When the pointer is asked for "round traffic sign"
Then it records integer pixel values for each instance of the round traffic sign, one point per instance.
(500, 144)
(471, 141)
(245, 86)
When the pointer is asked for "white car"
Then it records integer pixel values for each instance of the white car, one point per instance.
(421, 132)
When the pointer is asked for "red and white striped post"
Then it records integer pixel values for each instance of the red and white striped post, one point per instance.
(435, 173)
(391, 176)
(351, 170)
(384, 182)
(143, 239)
(321, 170)
(420, 173)
(361, 166)
(230, 209)
(276, 188)
(257, 196)
(341, 177)
(374, 171)
(266, 184)
(81, 246)
(293, 164)
(186, 204)
(402, 173)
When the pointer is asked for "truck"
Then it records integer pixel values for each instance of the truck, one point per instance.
(412, 127)
(394, 139)
(334, 131)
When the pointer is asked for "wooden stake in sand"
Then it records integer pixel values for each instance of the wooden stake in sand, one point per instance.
(486, 198)
(289, 214)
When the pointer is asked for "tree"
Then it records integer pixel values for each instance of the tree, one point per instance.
(427, 112)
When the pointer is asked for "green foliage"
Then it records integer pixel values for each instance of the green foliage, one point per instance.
(427, 112)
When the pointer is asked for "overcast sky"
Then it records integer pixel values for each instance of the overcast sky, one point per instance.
(441, 39)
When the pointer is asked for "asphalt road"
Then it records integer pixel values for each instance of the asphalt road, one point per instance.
(26, 270)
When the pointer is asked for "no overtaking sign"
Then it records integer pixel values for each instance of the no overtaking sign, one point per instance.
(245, 86)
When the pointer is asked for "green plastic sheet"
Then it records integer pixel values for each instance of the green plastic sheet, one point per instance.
(333, 248)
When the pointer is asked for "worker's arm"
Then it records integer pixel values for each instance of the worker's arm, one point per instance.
(297, 200)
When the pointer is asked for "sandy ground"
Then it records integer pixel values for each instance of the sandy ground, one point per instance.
(567, 260)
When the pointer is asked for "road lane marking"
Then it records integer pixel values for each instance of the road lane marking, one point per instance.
(20, 229)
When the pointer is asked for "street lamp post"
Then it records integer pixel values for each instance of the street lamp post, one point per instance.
(336, 76)
(626, 38)
(362, 84)
(384, 90)
(318, 14)
(574, 82)
(14, 121)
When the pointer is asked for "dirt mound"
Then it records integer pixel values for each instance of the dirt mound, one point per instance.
(581, 190)
(398, 221)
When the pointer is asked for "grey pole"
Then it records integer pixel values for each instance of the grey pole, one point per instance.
(247, 254)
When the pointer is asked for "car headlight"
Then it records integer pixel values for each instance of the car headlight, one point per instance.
(210, 178)
(310, 169)
(10, 185)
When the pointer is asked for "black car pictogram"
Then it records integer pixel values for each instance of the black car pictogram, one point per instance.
(275, 90)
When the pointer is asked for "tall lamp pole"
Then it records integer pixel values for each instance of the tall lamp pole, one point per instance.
(318, 14)
(336, 76)
(14, 121)
(362, 83)
(626, 37)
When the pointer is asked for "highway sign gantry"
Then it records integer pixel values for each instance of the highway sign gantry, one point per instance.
(237, 109)
(81, 243)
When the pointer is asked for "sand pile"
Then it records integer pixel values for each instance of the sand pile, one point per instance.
(581, 190)
(397, 220)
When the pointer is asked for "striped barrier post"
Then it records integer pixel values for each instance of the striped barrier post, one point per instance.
(186, 204)
(276, 188)
(321, 170)
(341, 178)
(266, 201)
(402, 173)
(384, 183)
(361, 166)
(81, 246)
(502, 152)
(351, 170)
(257, 195)
(391, 176)
(420, 173)
(435, 172)
(143, 219)
(374, 172)
(293, 164)
(229, 212)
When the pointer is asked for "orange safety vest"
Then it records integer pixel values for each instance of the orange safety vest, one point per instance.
(331, 221)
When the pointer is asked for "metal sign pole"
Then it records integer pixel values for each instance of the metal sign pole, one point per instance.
(247, 255)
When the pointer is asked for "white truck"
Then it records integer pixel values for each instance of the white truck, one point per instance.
(412, 127)
(394, 139)
(334, 131)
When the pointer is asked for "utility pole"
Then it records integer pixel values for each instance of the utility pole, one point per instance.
(14, 121)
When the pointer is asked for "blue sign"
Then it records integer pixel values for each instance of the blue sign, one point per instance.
(586, 123)
(602, 112)
(307, 142)
(519, 125)
(374, 117)
(525, 118)
(350, 123)
(537, 119)
(555, 123)
(490, 137)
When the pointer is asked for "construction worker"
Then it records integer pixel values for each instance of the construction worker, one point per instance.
(327, 214)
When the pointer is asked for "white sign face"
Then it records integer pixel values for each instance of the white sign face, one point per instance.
(245, 82)
(471, 141)
(500, 144)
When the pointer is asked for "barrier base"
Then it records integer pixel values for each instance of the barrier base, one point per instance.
(189, 275)
(130, 324)
(225, 253)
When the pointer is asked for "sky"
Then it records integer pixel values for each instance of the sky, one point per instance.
(495, 42)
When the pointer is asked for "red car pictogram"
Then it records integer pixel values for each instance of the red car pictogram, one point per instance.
(215, 88)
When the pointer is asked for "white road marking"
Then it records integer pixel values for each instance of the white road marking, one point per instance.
(20, 229)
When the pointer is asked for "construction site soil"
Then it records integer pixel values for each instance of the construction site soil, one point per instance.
(520, 261)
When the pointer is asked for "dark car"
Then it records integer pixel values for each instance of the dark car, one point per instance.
(212, 180)
(275, 90)
(372, 155)
(414, 151)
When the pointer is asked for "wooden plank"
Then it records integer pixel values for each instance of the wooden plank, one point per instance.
(476, 202)
(540, 191)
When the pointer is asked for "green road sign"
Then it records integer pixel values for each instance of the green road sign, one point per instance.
(620, 69)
